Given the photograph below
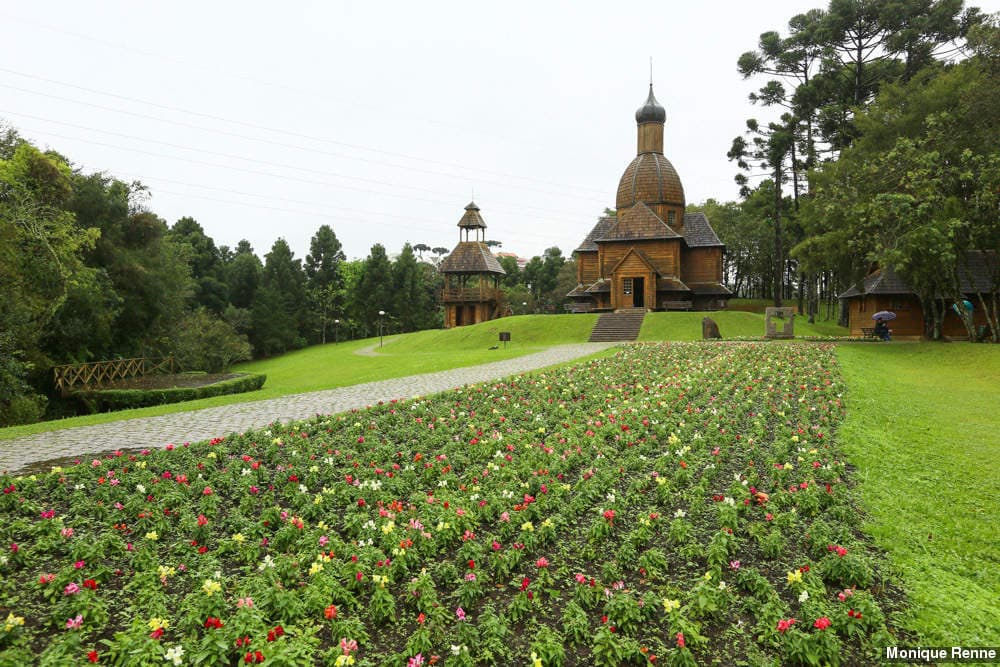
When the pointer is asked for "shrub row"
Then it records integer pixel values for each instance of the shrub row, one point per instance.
(110, 400)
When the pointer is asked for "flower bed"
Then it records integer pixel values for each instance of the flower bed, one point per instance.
(667, 505)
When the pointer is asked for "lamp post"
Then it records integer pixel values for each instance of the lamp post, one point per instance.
(381, 314)
(524, 307)
(336, 331)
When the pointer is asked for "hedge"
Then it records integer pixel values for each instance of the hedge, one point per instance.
(110, 400)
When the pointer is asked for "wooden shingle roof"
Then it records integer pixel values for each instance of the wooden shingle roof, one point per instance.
(603, 225)
(698, 232)
(639, 223)
(471, 257)
(472, 219)
(975, 276)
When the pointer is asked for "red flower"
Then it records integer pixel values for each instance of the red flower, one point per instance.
(213, 622)
(93, 656)
(90, 583)
(680, 640)
(822, 623)
(421, 618)
(330, 612)
(784, 624)
(272, 635)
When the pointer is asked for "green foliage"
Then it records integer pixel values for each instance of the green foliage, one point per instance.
(202, 341)
(124, 399)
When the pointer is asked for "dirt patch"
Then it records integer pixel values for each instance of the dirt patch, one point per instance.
(175, 381)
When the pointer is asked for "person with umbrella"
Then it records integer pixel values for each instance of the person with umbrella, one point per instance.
(881, 328)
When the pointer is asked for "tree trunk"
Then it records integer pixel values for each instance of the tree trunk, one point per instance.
(779, 260)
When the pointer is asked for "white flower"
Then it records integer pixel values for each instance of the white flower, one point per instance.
(175, 654)
(680, 514)
(804, 596)
(140, 488)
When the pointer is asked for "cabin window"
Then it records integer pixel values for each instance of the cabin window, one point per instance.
(627, 285)
(863, 304)
(671, 218)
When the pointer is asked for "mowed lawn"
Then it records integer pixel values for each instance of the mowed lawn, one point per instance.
(923, 429)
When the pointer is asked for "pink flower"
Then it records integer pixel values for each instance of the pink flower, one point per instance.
(734, 564)
(460, 613)
(323, 540)
(71, 589)
(496, 546)
(207, 491)
(542, 562)
(581, 578)
(66, 533)
(415, 661)
(680, 640)
(14, 547)
(505, 516)
(244, 602)
(74, 623)
(79, 564)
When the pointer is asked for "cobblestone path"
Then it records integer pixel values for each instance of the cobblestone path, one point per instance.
(152, 432)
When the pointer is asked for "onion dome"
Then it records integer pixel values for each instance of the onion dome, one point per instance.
(651, 111)
(650, 178)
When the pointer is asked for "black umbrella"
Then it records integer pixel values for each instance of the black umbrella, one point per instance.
(884, 315)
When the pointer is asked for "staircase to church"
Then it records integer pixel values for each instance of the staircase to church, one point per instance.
(621, 325)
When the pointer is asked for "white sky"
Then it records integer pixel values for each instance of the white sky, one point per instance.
(381, 119)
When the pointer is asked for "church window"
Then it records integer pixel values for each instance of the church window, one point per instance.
(671, 218)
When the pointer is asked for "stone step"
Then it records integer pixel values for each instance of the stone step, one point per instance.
(622, 325)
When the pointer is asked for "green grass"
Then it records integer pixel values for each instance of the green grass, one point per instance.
(337, 365)
(732, 324)
(922, 428)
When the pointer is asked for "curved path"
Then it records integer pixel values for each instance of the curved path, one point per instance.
(152, 432)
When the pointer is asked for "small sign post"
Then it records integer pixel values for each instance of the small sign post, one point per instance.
(505, 338)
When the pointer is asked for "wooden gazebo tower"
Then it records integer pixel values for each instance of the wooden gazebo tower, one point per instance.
(472, 275)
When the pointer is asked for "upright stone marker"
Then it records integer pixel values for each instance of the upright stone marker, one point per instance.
(709, 329)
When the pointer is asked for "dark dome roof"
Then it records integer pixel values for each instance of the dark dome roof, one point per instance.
(651, 111)
(650, 178)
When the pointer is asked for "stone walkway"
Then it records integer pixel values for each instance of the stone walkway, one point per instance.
(153, 432)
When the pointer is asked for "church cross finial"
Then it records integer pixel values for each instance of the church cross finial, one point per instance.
(651, 71)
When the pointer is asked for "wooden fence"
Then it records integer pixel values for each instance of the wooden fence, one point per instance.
(99, 374)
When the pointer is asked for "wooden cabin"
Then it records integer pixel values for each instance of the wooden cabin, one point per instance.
(650, 254)
(472, 275)
(883, 289)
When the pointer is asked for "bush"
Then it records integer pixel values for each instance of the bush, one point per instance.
(23, 409)
(205, 342)
(109, 400)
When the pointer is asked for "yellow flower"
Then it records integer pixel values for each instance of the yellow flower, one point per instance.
(152, 536)
(528, 526)
(788, 466)
(670, 605)
(708, 576)
(315, 568)
(795, 577)
(238, 538)
(389, 527)
(210, 586)
(535, 660)
(165, 571)
(380, 579)
(547, 523)
(12, 622)
(156, 623)
(343, 660)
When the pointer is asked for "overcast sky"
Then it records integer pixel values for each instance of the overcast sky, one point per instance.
(382, 119)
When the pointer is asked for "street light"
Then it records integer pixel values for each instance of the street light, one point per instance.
(381, 314)
(336, 331)
(524, 307)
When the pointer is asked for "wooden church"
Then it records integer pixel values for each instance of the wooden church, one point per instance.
(472, 275)
(651, 255)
